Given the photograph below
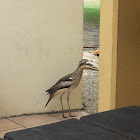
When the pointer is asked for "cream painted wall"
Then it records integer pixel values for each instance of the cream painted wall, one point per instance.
(40, 41)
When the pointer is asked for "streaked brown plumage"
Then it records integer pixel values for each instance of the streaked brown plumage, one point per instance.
(68, 82)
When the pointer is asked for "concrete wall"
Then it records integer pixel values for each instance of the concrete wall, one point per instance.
(40, 41)
(119, 83)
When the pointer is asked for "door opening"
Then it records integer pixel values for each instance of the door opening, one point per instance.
(91, 52)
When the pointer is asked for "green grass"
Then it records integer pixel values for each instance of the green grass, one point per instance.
(92, 13)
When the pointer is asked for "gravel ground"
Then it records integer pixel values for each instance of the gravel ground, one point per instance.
(90, 77)
(90, 90)
(91, 35)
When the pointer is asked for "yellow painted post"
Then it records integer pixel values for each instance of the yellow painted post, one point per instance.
(108, 54)
(119, 82)
(128, 56)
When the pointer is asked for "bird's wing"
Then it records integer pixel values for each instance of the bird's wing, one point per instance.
(61, 84)
(64, 82)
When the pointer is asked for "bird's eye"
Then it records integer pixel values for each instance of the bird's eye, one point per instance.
(89, 64)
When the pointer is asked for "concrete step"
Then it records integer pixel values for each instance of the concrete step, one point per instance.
(119, 124)
(124, 121)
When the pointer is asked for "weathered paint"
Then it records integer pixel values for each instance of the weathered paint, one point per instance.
(40, 42)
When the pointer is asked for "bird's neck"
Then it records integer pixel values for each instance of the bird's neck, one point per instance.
(79, 70)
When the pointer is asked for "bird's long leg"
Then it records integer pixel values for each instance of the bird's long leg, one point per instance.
(62, 105)
(69, 105)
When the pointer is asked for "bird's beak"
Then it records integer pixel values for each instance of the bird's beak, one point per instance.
(92, 67)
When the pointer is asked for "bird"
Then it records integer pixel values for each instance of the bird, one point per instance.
(67, 83)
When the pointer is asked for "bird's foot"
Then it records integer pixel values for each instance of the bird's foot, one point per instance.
(64, 117)
(73, 116)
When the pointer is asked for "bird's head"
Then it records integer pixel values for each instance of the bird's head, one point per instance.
(85, 64)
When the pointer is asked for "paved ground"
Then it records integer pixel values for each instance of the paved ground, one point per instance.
(24, 122)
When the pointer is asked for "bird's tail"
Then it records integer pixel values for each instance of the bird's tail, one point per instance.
(47, 92)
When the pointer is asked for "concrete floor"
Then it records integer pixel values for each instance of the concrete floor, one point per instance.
(23, 122)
